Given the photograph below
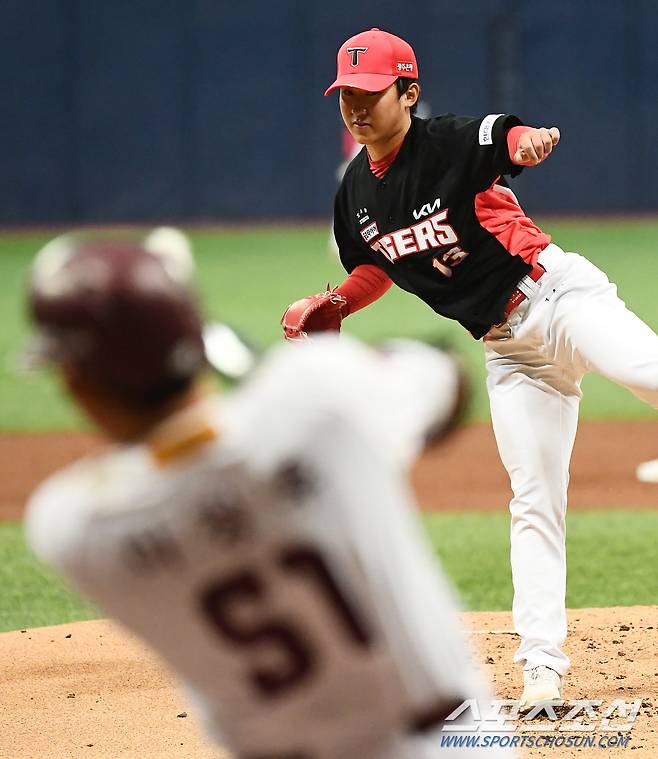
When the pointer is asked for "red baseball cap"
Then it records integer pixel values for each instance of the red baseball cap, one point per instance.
(373, 60)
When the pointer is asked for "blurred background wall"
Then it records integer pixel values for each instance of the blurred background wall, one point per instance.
(129, 110)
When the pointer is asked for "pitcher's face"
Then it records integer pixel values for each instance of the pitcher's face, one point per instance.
(373, 117)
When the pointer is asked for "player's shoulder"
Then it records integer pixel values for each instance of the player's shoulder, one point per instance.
(310, 365)
(354, 172)
(59, 508)
(305, 381)
(446, 125)
(357, 163)
(311, 358)
(53, 511)
(435, 135)
(296, 400)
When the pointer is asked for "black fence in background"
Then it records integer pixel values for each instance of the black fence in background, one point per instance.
(127, 110)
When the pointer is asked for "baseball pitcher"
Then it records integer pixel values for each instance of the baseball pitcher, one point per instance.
(426, 206)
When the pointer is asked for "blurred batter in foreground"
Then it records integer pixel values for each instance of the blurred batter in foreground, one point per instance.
(265, 545)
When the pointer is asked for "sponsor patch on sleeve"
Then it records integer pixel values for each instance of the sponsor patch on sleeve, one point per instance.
(370, 232)
(486, 128)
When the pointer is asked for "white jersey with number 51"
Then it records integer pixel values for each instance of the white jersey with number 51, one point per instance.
(265, 546)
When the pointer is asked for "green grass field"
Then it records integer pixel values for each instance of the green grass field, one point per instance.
(610, 564)
(247, 277)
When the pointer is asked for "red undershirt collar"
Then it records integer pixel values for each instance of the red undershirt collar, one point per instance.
(380, 168)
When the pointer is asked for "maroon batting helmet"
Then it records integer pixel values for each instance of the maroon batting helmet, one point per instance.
(111, 309)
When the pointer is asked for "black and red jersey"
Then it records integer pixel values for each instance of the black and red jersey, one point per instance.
(442, 223)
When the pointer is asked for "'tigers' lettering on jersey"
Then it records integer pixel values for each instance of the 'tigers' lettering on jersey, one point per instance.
(429, 234)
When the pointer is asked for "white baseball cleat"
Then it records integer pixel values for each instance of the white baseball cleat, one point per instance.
(540, 684)
(648, 471)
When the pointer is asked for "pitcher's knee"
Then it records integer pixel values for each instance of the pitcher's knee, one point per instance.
(540, 494)
(648, 391)
(548, 512)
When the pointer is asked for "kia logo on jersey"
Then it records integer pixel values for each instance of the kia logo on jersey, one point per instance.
(355, 54)
(427, 208)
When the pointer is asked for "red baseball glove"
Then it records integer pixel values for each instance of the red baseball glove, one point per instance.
(322, 312)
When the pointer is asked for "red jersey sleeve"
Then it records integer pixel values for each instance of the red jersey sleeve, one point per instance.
(364, 285)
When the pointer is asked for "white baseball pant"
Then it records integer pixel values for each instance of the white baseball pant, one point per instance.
(573, 322)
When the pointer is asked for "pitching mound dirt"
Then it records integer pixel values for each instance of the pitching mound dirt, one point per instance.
(90, 690)
(614, 655)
